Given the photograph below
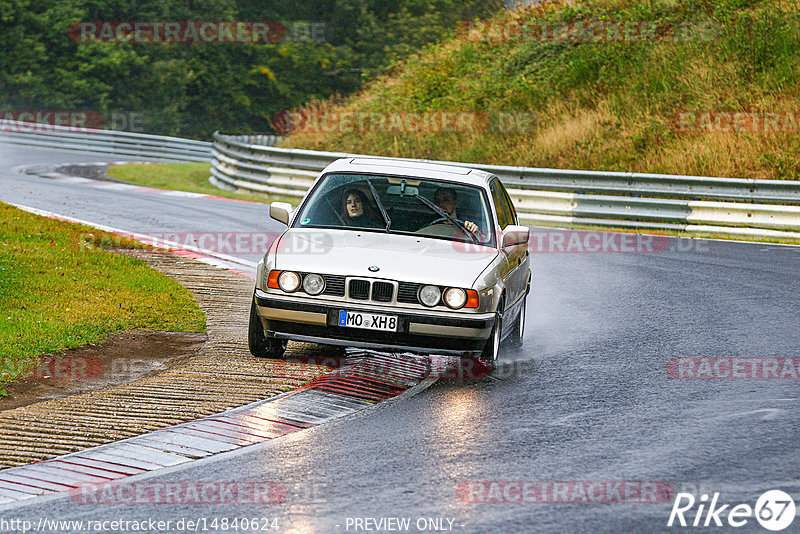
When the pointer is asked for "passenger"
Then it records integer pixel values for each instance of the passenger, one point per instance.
(357, 211)
(446, 198)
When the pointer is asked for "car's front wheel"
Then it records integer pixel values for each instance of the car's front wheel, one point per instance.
(259, 344)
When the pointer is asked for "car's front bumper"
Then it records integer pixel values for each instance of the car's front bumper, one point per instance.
(417, 332)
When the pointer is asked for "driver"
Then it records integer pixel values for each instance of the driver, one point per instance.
(446, 198)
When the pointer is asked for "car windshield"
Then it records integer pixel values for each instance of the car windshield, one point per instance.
(414, 206)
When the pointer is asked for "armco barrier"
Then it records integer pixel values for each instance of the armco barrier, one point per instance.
(156, 147)
(727, 206)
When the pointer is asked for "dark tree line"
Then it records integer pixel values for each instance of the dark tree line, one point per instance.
(193, 89)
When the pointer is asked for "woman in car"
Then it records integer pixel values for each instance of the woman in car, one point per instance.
(357, 210)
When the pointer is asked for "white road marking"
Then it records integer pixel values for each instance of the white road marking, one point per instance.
(770, 414)
(207, 256)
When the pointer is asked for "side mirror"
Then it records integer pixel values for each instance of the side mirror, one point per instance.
(514, 235)
(280, 211)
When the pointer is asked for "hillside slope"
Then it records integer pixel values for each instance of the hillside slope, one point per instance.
(705, 87)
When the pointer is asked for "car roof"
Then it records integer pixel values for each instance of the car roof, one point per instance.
(413, 168)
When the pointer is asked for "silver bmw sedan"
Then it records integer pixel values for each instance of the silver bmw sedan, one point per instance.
(395, 255)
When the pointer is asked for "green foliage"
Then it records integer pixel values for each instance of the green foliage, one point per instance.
(760, 42)
(60, 289)
(193, 89)
(605, 104)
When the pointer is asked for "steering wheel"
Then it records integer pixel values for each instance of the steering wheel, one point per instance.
(441, 220)
(437, 221)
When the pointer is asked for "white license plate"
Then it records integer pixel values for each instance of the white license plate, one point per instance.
(369, 321)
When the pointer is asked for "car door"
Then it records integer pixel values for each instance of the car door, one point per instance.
(510, 269)
(521, 254)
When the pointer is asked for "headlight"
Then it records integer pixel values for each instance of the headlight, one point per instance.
(429, 295)
(455, 297)
(313, 284)
(289, 281)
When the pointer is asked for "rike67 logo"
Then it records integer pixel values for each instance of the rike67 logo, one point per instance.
(774, 510)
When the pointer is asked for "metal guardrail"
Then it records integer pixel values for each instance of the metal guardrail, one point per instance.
(158, 147)
(727, 206)
(542, 196)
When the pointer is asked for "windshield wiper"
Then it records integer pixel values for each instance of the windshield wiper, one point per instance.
(447, 216)
(380, 205)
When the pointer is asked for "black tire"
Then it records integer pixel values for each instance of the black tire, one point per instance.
(336, 350)
(515, 337)
(491, 351)
(259, 344)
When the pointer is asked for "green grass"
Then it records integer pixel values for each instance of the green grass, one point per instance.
(600, 105)
(191, 177)
(59, 288)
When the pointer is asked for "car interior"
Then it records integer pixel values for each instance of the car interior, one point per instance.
(407, 213)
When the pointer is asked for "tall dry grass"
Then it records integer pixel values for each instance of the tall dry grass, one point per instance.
(605, 106)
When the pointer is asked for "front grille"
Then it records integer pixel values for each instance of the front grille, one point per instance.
(359, 289)
(407, 292)
(334, 285)
(382, 291)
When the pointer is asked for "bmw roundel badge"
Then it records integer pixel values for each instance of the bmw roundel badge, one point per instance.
(374, 268)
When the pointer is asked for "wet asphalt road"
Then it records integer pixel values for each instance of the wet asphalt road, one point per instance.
(157, 215)
(587, 399)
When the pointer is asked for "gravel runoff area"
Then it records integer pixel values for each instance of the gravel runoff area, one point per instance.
(221, 376)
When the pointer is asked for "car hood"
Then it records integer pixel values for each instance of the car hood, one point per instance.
(398, 257)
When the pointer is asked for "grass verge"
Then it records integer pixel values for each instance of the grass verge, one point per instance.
(669, 104)
(60, 289)
(191, 177)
